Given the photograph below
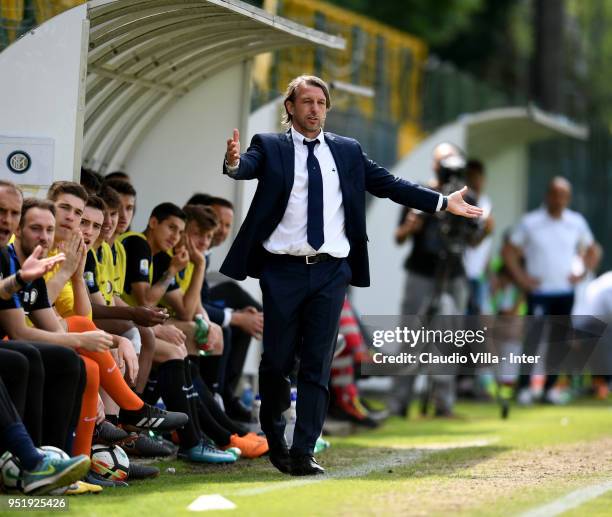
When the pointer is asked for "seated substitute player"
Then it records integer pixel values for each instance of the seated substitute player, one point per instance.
(42, 472)
(138, 290)
(36, 228)
(102, 280)
(235, 310)
(201, 223)
(163, 232)
(56, 375)
(117, 316)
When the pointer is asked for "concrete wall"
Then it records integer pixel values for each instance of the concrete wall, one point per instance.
(42, 90)
(183, 151)
(506, 186)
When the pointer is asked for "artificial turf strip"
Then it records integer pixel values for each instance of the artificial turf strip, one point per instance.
(495, 467)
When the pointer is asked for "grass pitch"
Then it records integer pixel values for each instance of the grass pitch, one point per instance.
(475, 465)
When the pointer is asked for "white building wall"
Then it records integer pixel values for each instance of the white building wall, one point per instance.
(42, 89)
(183, 152)
(506, 186)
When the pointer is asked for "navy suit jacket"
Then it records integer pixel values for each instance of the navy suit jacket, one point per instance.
(270, 160)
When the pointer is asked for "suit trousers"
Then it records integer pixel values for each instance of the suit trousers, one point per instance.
(302, 305)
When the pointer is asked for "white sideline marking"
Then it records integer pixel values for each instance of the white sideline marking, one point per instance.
(398, 459)
(570, 501)
(403, 458)
(211, 502)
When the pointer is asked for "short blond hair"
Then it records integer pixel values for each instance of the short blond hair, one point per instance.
(290, 93)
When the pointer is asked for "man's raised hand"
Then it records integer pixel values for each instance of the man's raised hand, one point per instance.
(71, 250)
(232, 154)
(457, 206)
(34, 267)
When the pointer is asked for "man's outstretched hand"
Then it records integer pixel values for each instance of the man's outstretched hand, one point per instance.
(232, 155)
(34, 266)
(457, 206)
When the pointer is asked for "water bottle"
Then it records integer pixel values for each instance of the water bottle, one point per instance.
(201, 334)
(291, 417)
(247, 396)
(255, 426)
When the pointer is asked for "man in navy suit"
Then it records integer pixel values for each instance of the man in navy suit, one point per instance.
(305, 238)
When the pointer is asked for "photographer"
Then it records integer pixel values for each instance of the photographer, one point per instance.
(436, 282)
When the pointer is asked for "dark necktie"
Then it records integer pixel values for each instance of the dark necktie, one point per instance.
(314, 230)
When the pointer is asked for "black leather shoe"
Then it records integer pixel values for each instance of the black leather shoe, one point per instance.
(305, 466)
(280, 458)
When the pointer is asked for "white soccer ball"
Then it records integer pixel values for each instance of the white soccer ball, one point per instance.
(11, 472)
(110, 462)
(55, 452)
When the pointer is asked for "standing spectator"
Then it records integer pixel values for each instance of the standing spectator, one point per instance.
(550, 239)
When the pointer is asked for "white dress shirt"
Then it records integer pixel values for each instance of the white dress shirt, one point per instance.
(289, 237)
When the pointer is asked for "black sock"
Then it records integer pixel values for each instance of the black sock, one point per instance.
(192, 394)
(219, 415)
(173, 388)
(151, 393)
(210, 427)
(209, 370)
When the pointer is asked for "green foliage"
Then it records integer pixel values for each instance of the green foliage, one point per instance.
(438, 22)
(489, 39)
(595, 45)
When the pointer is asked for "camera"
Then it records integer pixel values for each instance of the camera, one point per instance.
(451, 174)
(455, 232)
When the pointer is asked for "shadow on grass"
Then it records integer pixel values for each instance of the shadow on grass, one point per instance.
(341, 463)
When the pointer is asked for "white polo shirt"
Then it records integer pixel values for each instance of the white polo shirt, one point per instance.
(550, 246)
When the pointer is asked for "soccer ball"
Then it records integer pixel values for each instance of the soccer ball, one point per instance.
(10, 472)
(55, 452)
(110, 462)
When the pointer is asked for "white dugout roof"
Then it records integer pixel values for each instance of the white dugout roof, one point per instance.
(144, 55)
(91, 84)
